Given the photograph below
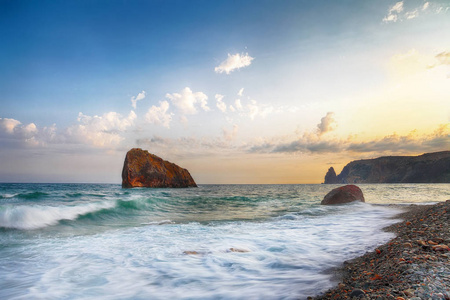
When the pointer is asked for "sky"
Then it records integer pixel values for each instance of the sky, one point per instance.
(234, 91)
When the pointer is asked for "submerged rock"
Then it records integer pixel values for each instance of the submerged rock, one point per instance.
(343, 194)
(143, 169)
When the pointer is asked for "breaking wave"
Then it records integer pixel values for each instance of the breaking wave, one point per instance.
(38, 216)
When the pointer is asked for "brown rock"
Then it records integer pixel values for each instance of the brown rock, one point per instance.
(143, 169)
(191, 252)
(343, 194)
(239, 250)
(441, 248)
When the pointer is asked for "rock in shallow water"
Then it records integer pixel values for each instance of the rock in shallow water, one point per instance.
(143, 169)
(343, 194)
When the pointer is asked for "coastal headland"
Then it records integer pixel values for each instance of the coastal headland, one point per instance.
(414, 265)
(425, 168)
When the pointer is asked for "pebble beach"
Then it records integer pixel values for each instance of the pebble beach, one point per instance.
(414, 265)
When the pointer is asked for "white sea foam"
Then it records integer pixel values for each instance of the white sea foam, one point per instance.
(283, 258)
(288, 240)
(38, 216)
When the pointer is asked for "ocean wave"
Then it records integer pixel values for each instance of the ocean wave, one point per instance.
(32, 195)
(7, 196)
(38, 216)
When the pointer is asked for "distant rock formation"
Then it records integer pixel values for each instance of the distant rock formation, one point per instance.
(343, 194)
(331, 177)
(143, 169)
(426, 168)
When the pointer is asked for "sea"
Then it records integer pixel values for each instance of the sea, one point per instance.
(99, 241)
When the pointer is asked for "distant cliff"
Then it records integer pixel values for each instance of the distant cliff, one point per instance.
(426, 168)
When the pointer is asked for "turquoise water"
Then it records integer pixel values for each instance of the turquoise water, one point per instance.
(84, 241)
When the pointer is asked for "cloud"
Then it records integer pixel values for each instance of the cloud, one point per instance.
(229, 135)
(238, 104)
(8, 125)
(137, 98)
(99, 131)
(255, 110)
(326, 124)
(391, 144)
(412, 14)
(439, 140)
(234, 62)
(14, 130)
(186, 101)
(241, 92)
(397, 12)
(191, 147)
(220, 104)
(443, 58)
(159, 115)
(393, 13)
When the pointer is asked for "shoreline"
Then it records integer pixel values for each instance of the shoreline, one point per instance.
(414, 265)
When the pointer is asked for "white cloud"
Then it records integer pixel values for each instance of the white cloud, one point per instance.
(29, 130)
(158, 114)
(100, 131)
(137, 98)
(258, 110)
(220, 104)
(326, 124)
(397, 12)
(238, 104)
(241, 92)
(397, 8)
(8, 125)
(393, 12)
(186, 101)
(29, 134)
(234, 62)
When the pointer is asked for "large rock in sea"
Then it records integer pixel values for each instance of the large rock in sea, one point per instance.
(343, 194)
(143, 169)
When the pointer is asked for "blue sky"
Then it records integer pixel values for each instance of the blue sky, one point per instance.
(229, 89)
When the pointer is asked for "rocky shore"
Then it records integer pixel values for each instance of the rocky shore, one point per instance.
(415, 265)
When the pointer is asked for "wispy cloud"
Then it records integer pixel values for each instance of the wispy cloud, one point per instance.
(398, 11)
(187, 101)
(234, 62)
(241, 92)
(137, 98)
(228, 134)
(255, 110)
(159, 115)
(220, 104)
(393, 13)
(444, 58)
